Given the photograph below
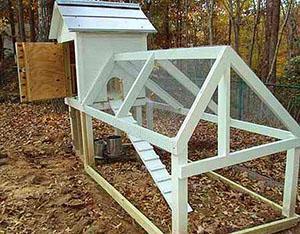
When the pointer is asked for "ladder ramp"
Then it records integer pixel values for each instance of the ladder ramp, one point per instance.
(151, 160)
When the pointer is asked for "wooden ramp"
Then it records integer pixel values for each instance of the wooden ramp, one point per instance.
(156, 168)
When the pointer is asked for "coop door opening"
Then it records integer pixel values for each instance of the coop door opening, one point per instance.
(115, 89)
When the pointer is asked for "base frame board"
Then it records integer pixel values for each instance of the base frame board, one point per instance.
(148, 226)
(137, 215)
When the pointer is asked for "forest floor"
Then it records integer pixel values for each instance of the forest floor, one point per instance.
(43, 187)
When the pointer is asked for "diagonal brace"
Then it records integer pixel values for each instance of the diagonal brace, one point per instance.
(99, 81)
(154, 87)
(136, 87)
(185, 81)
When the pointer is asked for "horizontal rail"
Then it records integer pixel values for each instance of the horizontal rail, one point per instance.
(179, 53)
(137, 215)
(218, 162)
(234, 123)
(133, 129)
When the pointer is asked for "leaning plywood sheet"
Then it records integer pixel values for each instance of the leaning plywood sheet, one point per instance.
(41, 71)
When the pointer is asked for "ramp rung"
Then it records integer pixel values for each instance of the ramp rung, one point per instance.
(143, 146)
(156, 167)
(135, 140)
(166, 186)
(162, 179)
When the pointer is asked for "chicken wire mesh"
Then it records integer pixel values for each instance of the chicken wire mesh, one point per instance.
(244, 103)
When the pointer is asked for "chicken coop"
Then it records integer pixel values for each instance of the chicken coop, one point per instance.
(112, 77)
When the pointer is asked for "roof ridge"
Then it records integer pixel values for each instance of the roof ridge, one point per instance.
(96, 3)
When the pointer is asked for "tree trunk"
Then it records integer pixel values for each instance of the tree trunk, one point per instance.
(272, 72)
(167, 27)
(237, 26)
(21, 20)
(271, 38)
(43, 24)
(12, 24)
(1, 59)
(293, 46)
(255, 25)
(210, 7)
(31, 21)
(229, 31)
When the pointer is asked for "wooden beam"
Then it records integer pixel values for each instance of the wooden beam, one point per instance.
(99, 81)
(185, 81)
(139, 115)
(224, 113)
(263, 93)
(217, 162)
(178, 53)
(136, 87)
(291, 182)
(272, 227)
(204, 96)
(241, 188)
(179, 194)
(152, 86)
(87, 139)
(152, 137)
(138, 216)
(149, 114)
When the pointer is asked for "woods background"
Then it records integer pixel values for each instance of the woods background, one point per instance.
(266, 33)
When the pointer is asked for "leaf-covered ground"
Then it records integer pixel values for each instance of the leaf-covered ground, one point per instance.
(43, 188)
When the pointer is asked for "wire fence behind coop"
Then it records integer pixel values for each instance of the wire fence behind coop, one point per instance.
(245, 105)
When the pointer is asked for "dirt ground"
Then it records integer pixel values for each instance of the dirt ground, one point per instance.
(43, 188)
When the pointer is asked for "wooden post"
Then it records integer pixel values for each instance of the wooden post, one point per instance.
(139, 115)
(180, 194)
(291, 182)
(87, 139)
(149, 114)
(73, 125)
(224, 114)
(79, 149)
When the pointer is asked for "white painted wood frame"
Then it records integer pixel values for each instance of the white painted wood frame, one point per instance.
(204, 96)
(291, 182)
(179, 193)
(219, 76)
(185, 81)
(136, 87)
(224, 113)
(217, 162)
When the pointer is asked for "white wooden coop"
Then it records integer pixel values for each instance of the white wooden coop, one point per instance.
(113, 67)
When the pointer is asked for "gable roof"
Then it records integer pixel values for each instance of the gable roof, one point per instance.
(98, 16)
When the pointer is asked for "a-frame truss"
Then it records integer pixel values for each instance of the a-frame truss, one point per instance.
(218, 77)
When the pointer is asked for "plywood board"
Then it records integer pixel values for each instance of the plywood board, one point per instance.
(41, 71)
